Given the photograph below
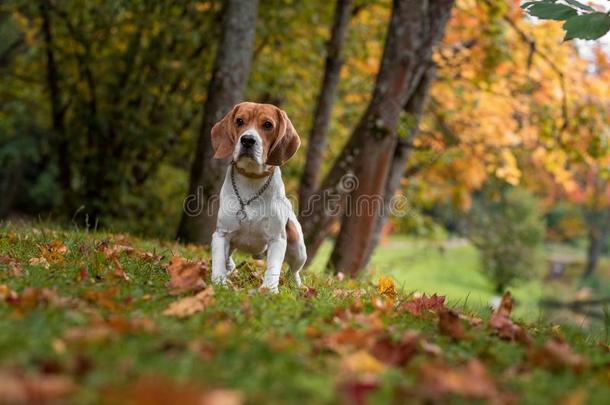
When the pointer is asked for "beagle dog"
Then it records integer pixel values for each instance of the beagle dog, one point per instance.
(254, 215)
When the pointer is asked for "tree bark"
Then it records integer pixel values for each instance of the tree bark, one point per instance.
(229, 79)
(415, 27)
(57, 109)
(598, 238)
(414, 108)
(326, 99)
(366, 159)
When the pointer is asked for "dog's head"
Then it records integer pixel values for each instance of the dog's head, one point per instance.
(257, 134)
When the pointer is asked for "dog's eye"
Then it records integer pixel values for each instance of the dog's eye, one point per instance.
(239, 122)
(267, 125)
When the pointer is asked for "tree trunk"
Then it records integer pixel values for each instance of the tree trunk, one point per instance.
(355, 185)
(414, 108)
(229, 79)
(326, 99)
(598, 237)
(415, 27)
(57, 109)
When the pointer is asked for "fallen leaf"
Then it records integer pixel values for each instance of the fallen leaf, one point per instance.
(190, 305)
(39, 261)
(14, 268)
(503, 326)
(32, 297)
(350, 338)
(421, 305)
(185, 276)
(386, 287)
(223, 397)
(438, 380)
(450, 324)
(6, 293)
(101, 330)
(396, 353)
(19, 388)
(361, 363)
(430, 348)
(107, 299)
(158, 390)
(356, 391)
(53, 252)
(309, 292)
(556, 355)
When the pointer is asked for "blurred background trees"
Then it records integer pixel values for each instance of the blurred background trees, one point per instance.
(105, 110)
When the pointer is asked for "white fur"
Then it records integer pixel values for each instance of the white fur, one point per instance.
(264, 229)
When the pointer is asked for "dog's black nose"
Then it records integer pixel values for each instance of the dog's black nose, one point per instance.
(247, 141)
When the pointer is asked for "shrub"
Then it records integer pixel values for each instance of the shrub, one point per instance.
(506, 227)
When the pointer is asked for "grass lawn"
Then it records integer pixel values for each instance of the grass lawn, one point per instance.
(423, 266)
(85, 320)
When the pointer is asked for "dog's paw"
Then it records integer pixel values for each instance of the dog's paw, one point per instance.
(220, 279)
(265, 289)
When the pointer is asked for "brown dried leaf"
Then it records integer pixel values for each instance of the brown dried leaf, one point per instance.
(17, 388)
(14, 268)
(185, 276)
(393, 353)
(190, 305)
(350, 338)
(424, 304)
(386, 287)
(556, 355)
(6, 294)
(438, 380)
(39, 261)
(107, 299)
(361, 363)
(153, 390)
(503, 326)
(450, 324)
(32, 297)
(53, 252)
(101, 330)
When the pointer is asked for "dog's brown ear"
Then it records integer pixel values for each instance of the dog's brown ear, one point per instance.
(286, 144)
(223, 135)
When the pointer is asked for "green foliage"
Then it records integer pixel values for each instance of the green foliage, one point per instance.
(552, 11)
(505, 225)
(581, 20)
(130, 82)
(587, 26)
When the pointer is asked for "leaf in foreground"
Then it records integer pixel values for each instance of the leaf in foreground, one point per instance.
(450, 324)
(471, 380)
(386, 287)
(556, 355)
(587, 26)
(501, 324)
(185, 276)
(424, 304)
(18, 388)
(190, 305)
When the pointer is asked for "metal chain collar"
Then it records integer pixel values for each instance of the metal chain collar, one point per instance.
(241, 214)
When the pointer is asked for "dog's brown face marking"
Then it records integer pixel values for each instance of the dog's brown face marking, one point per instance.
(280, 139)
(264, 118)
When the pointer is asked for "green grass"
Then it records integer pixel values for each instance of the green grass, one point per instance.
(423, 266)
(271, 349)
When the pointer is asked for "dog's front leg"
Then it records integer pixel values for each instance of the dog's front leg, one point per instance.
(276, 249)
(220, 251)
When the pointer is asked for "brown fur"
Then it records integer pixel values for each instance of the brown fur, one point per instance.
(280, 142)
(291, 232)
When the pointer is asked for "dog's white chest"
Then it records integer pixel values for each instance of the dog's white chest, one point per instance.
(252, 234)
